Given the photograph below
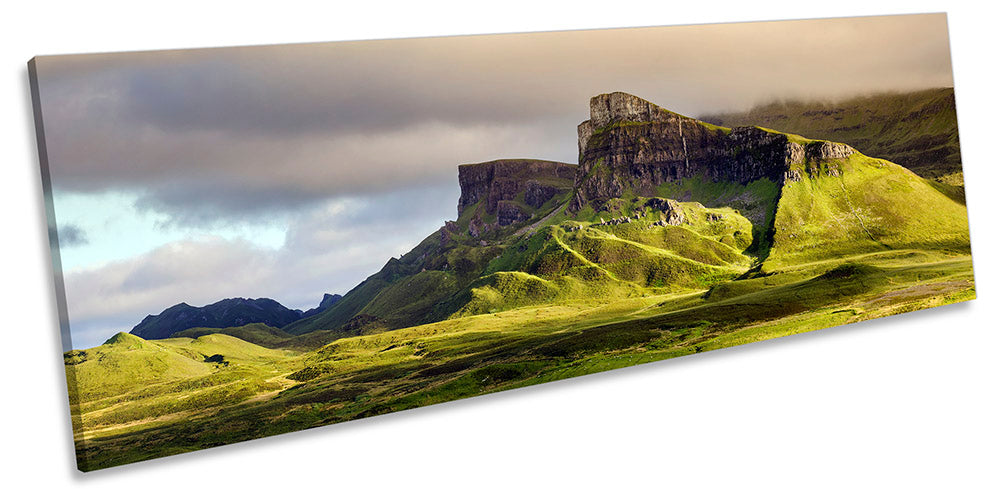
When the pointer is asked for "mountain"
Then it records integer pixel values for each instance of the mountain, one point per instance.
(660, 202)
(233, 312)
(497, 198)
(917, 130)
(808, 199)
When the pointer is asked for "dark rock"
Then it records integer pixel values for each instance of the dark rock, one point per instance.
(673, 214)
(503, 180)
(509, 212)
(476, 226)
(792, 176)
(537, 194)
(445, 233)
(632, 144)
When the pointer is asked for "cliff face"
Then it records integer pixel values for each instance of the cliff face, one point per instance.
(632, 144)
(510, 189)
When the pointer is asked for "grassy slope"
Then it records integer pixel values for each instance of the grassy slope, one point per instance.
(437, 280)
(256, 333)
(399, 369)
(525, 337)
(917, 130)
(755, 201)
(872, 205)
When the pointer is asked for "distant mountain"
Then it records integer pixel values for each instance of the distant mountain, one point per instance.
(234, 312)
(917, 130)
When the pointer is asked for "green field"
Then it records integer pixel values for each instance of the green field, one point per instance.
(481, 306)
(173, 401)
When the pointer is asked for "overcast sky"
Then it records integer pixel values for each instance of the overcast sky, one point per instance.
(289, 171)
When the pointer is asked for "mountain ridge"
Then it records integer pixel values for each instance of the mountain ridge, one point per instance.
(225, 313)
(917, 130)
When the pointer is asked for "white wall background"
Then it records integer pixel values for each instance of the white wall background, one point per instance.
(901, 405)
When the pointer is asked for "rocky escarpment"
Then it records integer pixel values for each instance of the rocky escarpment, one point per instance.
(509, 190)
(632, 144)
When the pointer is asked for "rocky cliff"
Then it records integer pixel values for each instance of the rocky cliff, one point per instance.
(632, 144)
(511, 189)
(504, 180)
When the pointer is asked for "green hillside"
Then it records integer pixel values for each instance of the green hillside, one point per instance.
(872, 205)
(256, 333)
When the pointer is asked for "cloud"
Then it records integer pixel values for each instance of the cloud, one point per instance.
(223, 134)
(69, 235)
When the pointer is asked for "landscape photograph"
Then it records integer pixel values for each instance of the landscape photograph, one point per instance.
(250, 241)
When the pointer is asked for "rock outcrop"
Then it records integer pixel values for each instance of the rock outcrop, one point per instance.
(509, 212)
(671, 210)
(630, 143)
(510, 191)
(504, 180)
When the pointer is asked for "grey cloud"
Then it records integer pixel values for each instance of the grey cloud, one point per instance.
(69, 235)
(204, 131)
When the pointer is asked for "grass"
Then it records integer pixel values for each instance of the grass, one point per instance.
(875, 206)
(256, 333)
(755, 201)
(264, 391)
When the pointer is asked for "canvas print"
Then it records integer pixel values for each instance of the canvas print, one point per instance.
(249, 241)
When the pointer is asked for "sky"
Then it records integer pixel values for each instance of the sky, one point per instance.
(288, 171)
